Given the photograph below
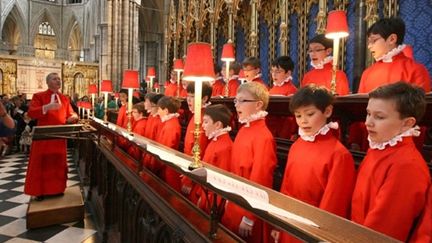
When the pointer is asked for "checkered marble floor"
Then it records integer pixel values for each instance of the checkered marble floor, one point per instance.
(14, 203)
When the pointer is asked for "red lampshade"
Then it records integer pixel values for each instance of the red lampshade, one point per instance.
(156, 85)
(86, 105)
(136, 94)
(199, 63)
(228, 53)
(130, 79)
(151, 72)
(178, 65)
(116, 95)
(78, 104)
(92, 89)
(337, 25)
(147, 79)
(106, 86)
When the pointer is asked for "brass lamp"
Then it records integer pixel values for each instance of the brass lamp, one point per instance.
(93, 90)
(337, 28)
(198, 68)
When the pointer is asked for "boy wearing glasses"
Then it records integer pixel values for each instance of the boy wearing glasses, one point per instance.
(252, 70)
(320, 49)
(233, 82)
(385, 39)
(253, 157)
(281, 70)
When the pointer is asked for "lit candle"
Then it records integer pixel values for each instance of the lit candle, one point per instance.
(198, 98)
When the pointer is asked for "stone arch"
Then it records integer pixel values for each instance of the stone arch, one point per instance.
(13, 27)
(74, 38)
(45, 15)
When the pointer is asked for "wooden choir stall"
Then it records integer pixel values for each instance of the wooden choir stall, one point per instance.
(132, 204)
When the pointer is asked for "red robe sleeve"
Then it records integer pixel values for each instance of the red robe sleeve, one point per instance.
(423, 231)
(35, 108)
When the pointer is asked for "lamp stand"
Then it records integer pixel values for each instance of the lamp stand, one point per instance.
(335, 65)
(129, 110)
(197, 119)
(227, 66)
(178, 84)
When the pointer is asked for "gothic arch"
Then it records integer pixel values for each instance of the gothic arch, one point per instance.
(13, 27)
(74, 37)
(45, 15)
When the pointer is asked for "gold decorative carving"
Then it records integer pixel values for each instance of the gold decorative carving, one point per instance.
(73, 82)
(391, 8)
(8, 68)
(370, 18)
(321, 18)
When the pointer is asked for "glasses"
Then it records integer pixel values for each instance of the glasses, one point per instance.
(239, 101)
(248, 70)
(277, 71)
(316, 50)
(372, 41)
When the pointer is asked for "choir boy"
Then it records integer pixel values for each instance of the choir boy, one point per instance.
(252, 70)
(324, 178)
(253, 157)
(169, 135)
(393, 179)
(385, 42)
(233, 82)
(320, 49)
(216, 122)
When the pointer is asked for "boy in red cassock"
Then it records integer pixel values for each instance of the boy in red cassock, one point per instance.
(233, 82)
(393, 179)
(218, 85)
(169, 135)
(252, 70)
(281, 70)
(171, 86)
(324, 178)
(253, 157)
(139, 115)
(320, 49)
(216, 122)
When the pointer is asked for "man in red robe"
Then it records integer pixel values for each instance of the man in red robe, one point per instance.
(47, 167)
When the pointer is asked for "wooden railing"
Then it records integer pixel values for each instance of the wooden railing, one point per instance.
(133, 205)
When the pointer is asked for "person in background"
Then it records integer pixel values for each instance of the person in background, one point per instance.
(252, 70)
(47, 167)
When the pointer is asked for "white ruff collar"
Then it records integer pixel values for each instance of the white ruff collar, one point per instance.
(169, 117)
(395, 140)
(215, 134)
(388, 57)
(173, 81)
(257, 116)
(322, 63)
(256, 76)
(287, 80)
(323, 131)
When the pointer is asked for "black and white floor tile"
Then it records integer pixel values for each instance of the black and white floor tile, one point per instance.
(14, 203)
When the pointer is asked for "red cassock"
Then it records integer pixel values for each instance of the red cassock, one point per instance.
(138, 128)
(217, 154)
(233, 85)
(282, 126)
(402, 68)
(188, 145)
(323, 77)
(169, 136)
(390, 192)
(47, 167)
(171, 89)
(423, 231)
(153, 127)
(122, 119)
(218, 87)
(183, 92)
(254, 158)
